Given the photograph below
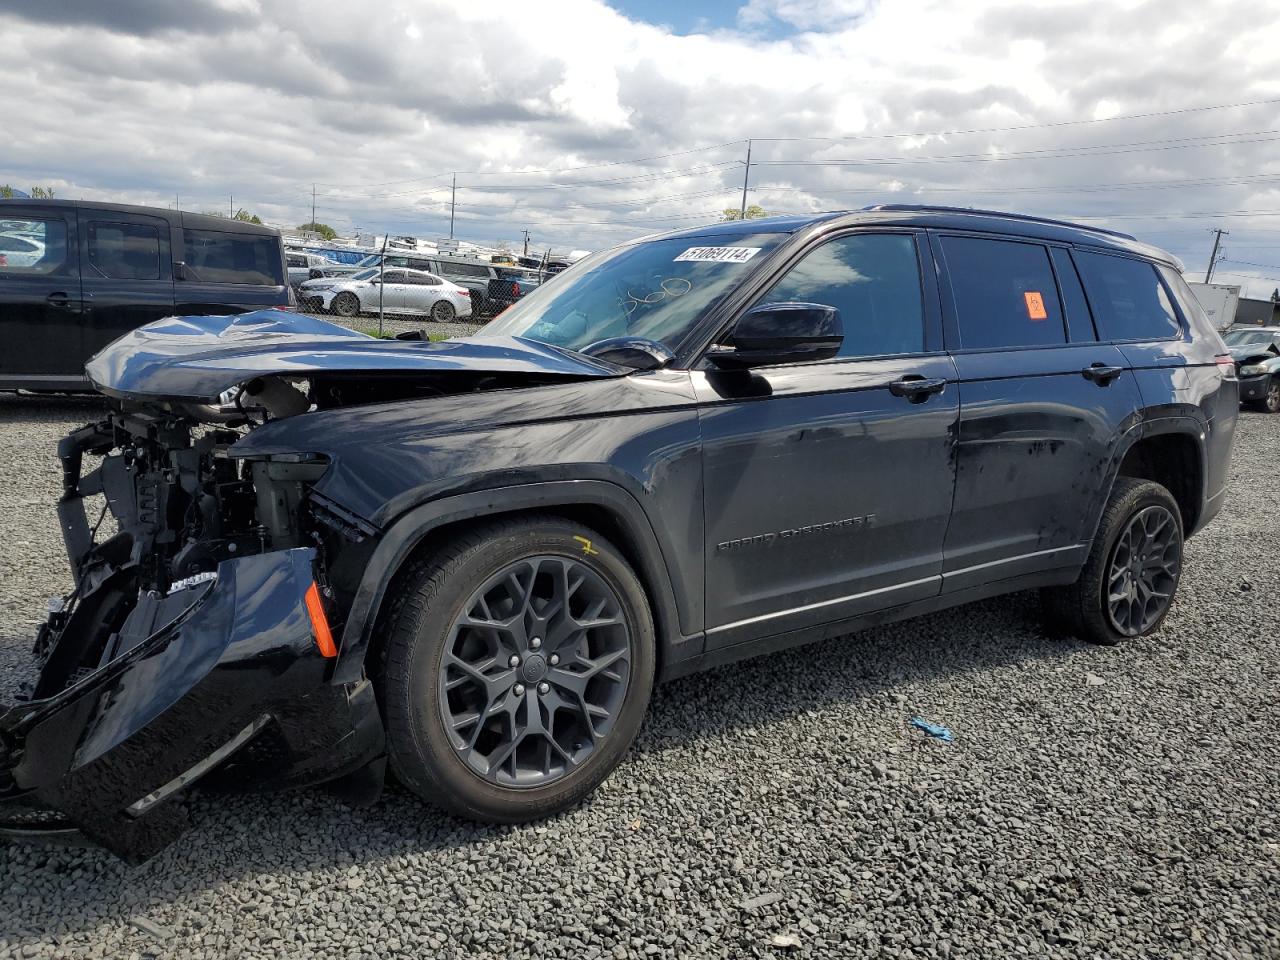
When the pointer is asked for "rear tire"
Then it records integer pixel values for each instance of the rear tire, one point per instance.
(524, 718)
(346, 305)
(442, 311)
(1128, 582)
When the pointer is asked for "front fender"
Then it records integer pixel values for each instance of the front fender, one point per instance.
(677, 607)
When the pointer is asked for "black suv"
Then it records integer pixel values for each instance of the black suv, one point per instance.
(472, 559)
(75, 275)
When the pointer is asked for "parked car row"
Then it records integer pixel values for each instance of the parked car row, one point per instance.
(492, 287)
(398, 291)
(1256, 352)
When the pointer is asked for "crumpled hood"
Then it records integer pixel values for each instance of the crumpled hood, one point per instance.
(198, 358)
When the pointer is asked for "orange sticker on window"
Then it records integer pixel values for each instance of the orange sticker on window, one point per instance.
(1035, 305)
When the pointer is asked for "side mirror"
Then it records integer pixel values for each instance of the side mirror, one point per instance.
(773, 333)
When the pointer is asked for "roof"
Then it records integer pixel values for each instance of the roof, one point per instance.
(199, 221)
(939, 218)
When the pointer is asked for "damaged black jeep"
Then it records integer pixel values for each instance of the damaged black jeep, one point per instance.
(305, 555)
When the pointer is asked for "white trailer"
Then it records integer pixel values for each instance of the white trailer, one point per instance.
(1219, 301)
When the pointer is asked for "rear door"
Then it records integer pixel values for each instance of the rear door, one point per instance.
(40, 300)
(127, 274)
(421, 290)
(1042, 407)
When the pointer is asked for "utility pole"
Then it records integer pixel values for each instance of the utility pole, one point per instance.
(746, 176)
(1218, 234)
(175, 201)
(233, 206)
(313, 206)
(453, 202)
(526, 243)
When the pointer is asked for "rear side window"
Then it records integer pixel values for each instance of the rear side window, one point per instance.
(124, 251)
(32, 247)
(1005, 293)
(216, 257)
(297, 261)
(1129, 301)
(874, 281)
(465, 269)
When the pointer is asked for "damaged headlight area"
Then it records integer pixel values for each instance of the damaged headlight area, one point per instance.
(199, 638)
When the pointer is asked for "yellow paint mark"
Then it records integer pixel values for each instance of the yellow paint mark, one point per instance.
(587, 548)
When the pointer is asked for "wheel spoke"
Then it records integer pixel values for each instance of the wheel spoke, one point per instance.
(563, 709)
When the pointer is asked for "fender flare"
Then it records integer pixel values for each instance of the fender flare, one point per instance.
(1161, 426)
(403, 536)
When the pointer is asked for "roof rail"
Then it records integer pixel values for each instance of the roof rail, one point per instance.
(929, 208)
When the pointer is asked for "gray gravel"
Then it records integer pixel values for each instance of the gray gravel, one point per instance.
(1095, 803)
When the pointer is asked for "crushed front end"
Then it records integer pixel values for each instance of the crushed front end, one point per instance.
(199, 637)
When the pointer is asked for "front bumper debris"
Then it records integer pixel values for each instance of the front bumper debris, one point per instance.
(227, 676)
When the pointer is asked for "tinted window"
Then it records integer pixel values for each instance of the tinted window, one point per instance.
(1005, 294)
(1129, 301)
(1079, 322)
(874, 281)
(32, 247)
(124, 251)
(422, 279)
(393, 276)
(297, 261)
(216, 257)
(465, 269)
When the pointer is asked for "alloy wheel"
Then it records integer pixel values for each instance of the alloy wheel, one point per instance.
(1273, 397)
(442, 311)
(534, 671)
(346, 305)
(1145, 563)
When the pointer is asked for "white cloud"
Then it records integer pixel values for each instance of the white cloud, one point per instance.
(128, 100)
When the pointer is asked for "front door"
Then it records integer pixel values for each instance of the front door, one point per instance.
(1043, 406)
(41, 340)
(393, 293)
(828, 485)
(127, 267)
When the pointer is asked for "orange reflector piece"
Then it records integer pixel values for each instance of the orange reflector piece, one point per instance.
(319, 622)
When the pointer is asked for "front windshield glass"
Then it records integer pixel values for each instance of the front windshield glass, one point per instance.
(655, 289)
(364, 275)
(370, 261)
(1238, 337)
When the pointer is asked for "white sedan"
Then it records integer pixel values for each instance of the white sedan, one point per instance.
(403, 291)
(20, 250)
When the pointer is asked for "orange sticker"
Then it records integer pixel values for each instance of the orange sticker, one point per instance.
(1035, 305)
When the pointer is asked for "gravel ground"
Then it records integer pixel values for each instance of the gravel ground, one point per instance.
(1095, 802)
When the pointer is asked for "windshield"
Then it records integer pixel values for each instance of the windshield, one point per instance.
(656, 289)
(365, 275)
(1239, 337)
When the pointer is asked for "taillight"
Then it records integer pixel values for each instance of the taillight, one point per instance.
(515, 289)
(4, 261)
(320, 622)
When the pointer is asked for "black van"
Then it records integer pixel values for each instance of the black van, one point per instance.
(75, 275)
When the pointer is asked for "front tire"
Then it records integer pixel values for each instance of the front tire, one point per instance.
(346, 305)
(518, 665)
(1131, 575)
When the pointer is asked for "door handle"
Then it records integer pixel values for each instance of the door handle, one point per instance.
(1100, 373)
(917, 389)
(58, 299)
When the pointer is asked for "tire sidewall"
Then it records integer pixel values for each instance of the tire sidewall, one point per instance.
(449, 313)
(430, 764)
(1137, 499)
(346, 297)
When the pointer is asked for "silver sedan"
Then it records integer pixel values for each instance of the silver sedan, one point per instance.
(398, 291)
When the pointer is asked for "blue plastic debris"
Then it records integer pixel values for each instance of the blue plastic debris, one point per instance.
(933, 729)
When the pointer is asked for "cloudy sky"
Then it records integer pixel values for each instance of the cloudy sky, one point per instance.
(588, 122)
